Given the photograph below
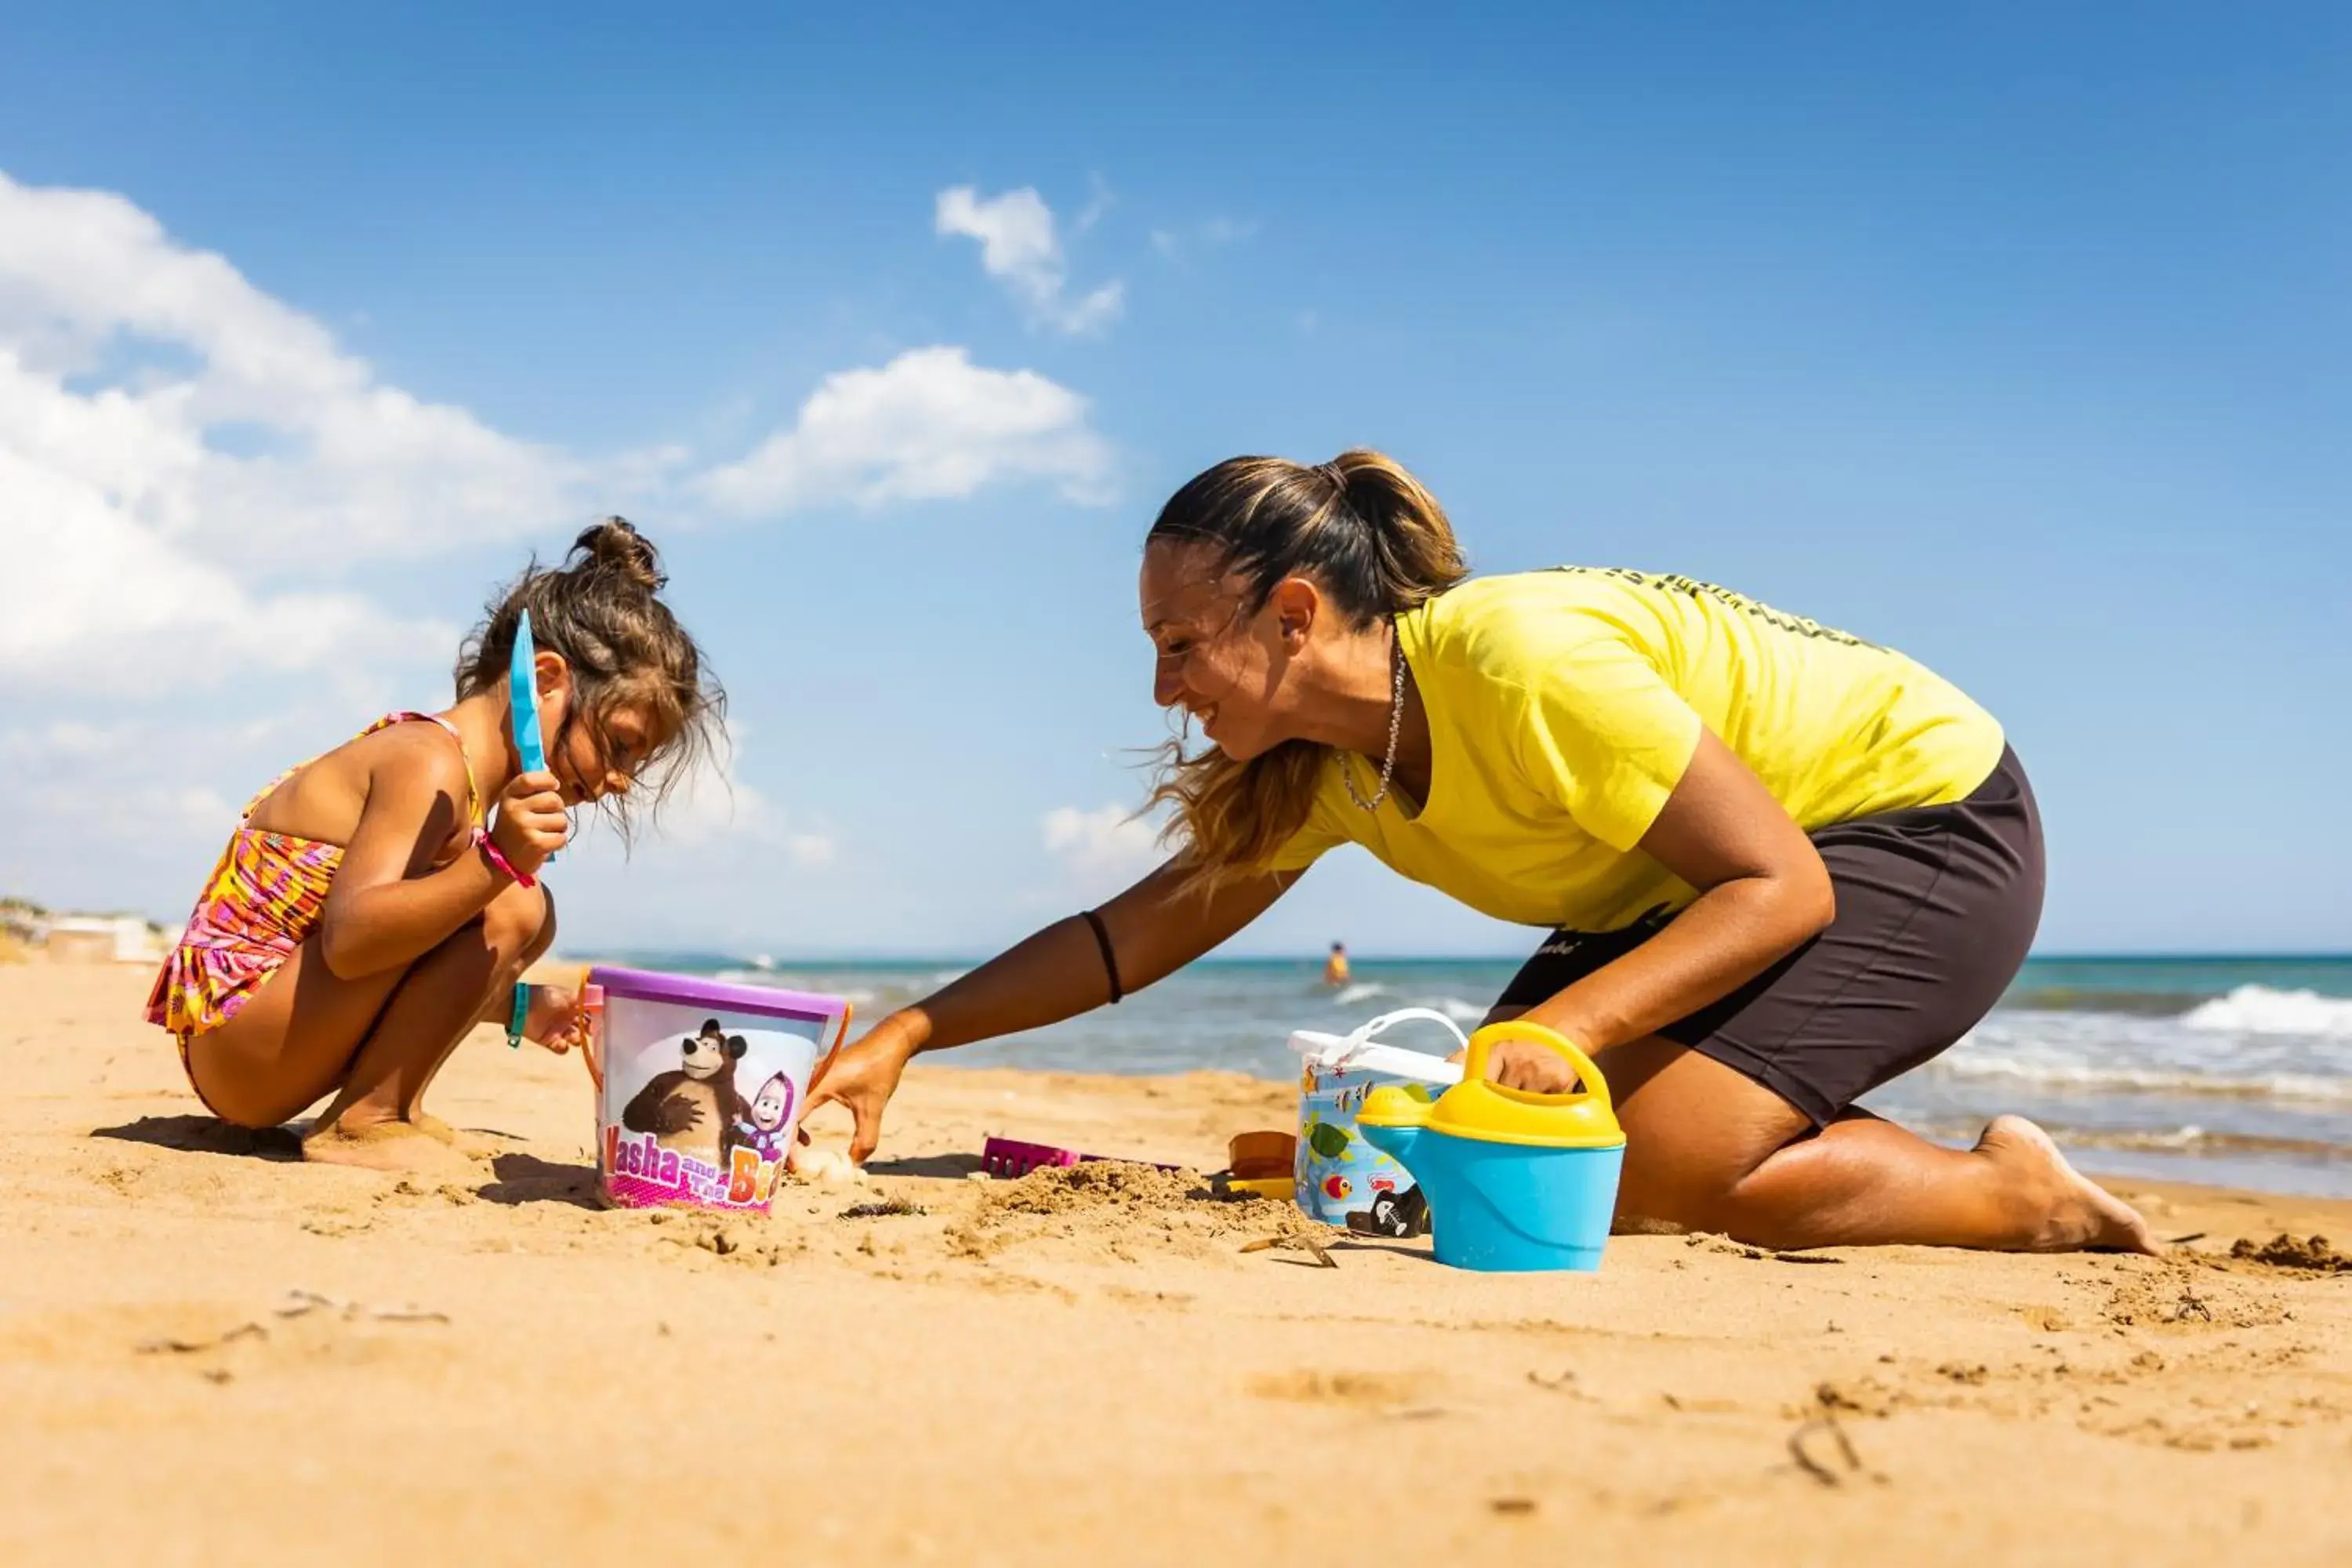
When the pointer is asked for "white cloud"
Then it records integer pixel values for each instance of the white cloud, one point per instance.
(928, 426)
(198, 483)
(1099, 202)
(1019, 247)
(1208, 233)
(129, 789)
(176, 444)
(811, 849)
(173, 438)
(713, 809)
(1110, 844)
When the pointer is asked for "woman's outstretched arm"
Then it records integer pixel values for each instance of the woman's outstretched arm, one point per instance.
(1154, 929)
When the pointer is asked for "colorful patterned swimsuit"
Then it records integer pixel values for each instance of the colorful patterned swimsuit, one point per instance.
(263, 899)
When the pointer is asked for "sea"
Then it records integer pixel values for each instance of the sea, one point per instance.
(2235, 1071)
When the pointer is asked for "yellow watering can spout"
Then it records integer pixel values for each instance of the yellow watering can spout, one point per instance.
(1390, 1106)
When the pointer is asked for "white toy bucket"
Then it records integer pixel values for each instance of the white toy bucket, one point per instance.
(1339, 1178)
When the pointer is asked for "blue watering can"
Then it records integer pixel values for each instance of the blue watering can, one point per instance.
(1516, 1181)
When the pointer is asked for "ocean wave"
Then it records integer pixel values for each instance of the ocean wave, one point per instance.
(2195, 1140)
(2082, 1077)
(2258, 1010)
(1363, 990)
(2161, 1139)
(2090, 999)
(2118, 1053)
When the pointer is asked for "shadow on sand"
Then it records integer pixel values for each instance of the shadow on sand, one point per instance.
(208, 1135)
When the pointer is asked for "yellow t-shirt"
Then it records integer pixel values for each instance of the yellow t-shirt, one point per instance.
(1564, 707)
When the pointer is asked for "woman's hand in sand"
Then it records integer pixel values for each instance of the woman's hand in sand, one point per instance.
(864, 1077)
(531, 823)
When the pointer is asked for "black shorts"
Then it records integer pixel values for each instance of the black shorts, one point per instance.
(1936, 909)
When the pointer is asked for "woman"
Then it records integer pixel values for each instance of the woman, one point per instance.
(1781, 865)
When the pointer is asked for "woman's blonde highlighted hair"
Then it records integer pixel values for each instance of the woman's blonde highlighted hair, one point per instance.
(1376, 544)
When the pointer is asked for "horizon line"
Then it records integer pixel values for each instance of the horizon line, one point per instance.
(2148, 956)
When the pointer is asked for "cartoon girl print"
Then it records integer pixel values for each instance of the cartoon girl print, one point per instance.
(765, 1119)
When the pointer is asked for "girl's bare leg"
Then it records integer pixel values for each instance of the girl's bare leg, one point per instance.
(1707, 1147)
(375, 1042)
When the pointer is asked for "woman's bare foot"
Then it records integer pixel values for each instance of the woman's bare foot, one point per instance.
(401, 1146)
(2078, 1214)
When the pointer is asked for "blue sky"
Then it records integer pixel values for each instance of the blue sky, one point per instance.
(2019, 340)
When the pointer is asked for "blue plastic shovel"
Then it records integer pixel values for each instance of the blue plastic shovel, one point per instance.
(522, 690)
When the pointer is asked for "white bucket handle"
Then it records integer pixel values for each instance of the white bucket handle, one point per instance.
(1365, 1033)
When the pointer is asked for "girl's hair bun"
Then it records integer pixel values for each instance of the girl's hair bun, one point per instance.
(614, 546)
(602, 610)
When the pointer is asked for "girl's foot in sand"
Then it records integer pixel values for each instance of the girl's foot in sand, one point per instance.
(466, 1143)
(2078, 1213)
(402, 1146)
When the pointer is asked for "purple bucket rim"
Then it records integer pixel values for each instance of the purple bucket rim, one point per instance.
(651, 985)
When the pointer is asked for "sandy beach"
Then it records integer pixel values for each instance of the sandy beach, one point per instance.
(212, 1354)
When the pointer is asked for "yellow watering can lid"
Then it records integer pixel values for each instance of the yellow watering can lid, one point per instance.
(1489, 1112)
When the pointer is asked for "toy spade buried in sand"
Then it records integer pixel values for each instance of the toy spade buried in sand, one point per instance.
(1516, 1181)
(522, 696)
(1009, 1157)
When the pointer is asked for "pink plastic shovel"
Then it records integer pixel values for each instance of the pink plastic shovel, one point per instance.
(1011, 1157)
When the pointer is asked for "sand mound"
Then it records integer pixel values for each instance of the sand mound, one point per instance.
(1109, 1207)
(2174, 1293)
(2310, 1255)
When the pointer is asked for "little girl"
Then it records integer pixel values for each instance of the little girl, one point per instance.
(363, 919)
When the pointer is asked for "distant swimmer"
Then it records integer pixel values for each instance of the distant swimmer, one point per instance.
(1335, 968)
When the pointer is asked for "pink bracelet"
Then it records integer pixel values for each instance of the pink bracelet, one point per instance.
(490, 852)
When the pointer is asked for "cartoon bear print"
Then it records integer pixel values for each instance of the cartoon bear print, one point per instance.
(694, 1107)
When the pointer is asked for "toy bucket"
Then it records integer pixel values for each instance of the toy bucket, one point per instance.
(1339, 1178)
(1525, 1210)
(702, 1086)
(1516, 1179)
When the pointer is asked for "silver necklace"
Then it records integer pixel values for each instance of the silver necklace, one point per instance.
(1396, 728)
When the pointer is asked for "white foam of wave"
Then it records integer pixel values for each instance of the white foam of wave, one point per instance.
(2081, 1076)
(2258, 1010)
(2115, 1053)
(1458, 1010)
(1363, 990)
